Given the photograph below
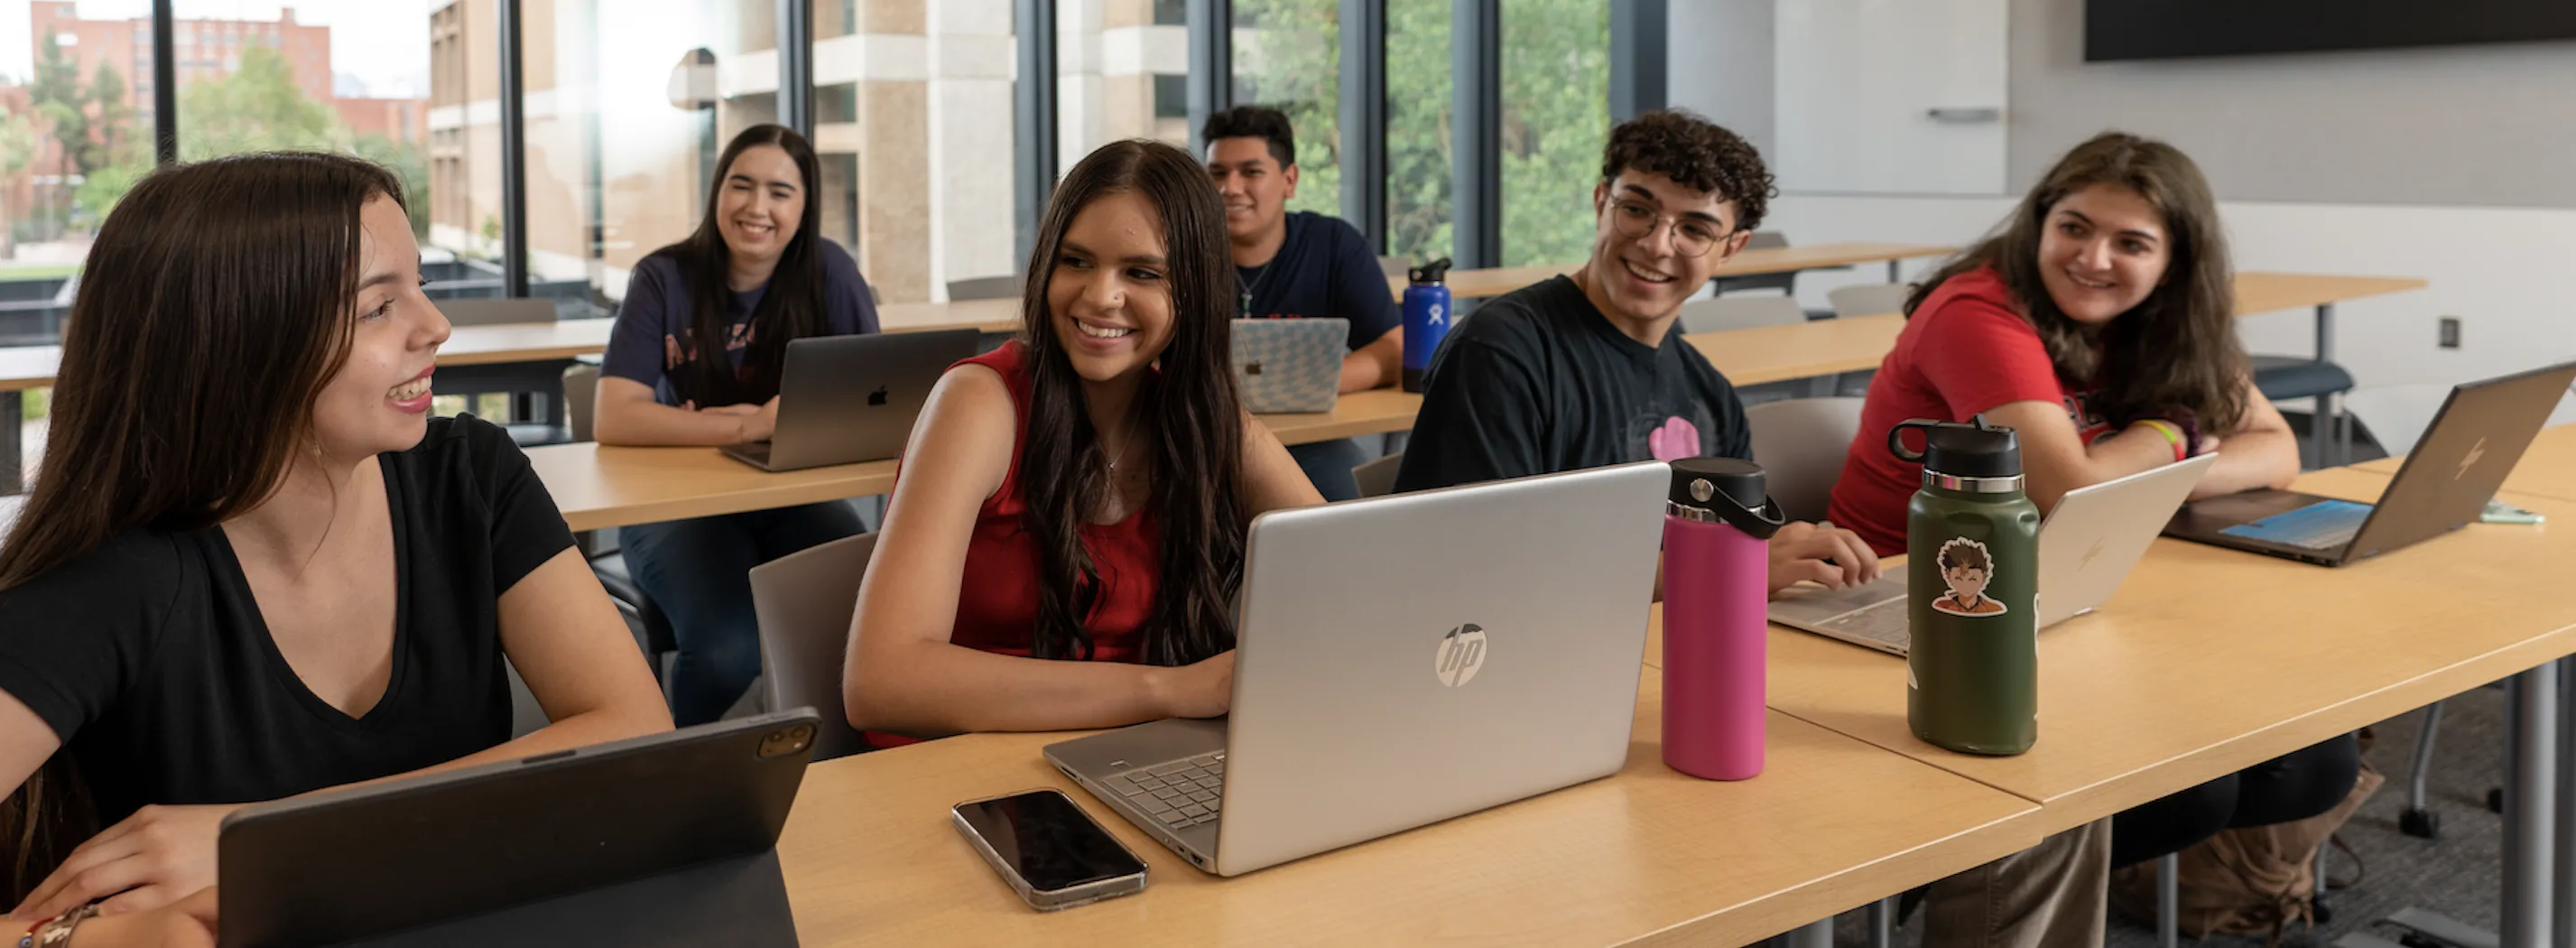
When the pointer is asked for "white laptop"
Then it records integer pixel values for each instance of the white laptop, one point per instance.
(1403, 660)
(1289, 365)
(2086, 548)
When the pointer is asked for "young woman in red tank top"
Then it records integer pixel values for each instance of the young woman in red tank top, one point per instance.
(1063, 548)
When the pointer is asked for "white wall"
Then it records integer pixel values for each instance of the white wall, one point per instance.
(2257, 121)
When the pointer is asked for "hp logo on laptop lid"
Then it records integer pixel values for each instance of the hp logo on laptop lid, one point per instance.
(1462, 652)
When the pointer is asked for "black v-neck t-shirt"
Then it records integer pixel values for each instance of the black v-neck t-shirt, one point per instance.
(150, 659)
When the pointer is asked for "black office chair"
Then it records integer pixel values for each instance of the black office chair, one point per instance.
(652, 629)
(2286, 377)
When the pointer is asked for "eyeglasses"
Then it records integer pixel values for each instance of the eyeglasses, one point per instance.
(1692, 237)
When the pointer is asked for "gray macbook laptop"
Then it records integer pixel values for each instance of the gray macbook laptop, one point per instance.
(652, 841)
(2087, 546)
(1289, 365)
(1403, 660)
(846, 399)
(2464, 456)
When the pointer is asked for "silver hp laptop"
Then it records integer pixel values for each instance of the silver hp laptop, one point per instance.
(2464, 456)
(1289, 365)
(2087, 546)
(846, 399)
(1401, 661)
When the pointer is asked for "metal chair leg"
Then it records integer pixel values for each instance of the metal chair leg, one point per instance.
(2169, 900)
(1882, 923)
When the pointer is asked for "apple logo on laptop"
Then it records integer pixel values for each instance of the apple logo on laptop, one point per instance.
(1252, 368)
(877, 397)
(2476, 451)
(1462, 652)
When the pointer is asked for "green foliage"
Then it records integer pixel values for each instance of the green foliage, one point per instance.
(411, 165)
(1417, 129)
(1299, 73)
(1556, 118)
(257, 108)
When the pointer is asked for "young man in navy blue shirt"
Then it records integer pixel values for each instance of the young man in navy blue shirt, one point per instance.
(1302, 264)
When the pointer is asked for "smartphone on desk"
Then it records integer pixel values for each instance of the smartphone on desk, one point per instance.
(1050, 851)
(2500, 512)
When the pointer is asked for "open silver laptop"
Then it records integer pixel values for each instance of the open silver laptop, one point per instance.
(1289, 365)
(1401, 661)
(846, 399)
(2086, 547)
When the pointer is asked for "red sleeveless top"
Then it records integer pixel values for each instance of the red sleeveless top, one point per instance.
(997, 604)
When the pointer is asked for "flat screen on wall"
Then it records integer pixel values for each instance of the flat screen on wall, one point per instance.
(2167, 29)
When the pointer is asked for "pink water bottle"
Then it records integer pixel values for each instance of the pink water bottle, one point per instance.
(1717, 567)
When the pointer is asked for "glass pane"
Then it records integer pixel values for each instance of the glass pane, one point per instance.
(1556, 117)
(1288, 56)
(626, 113)
(917, 169)
(1121, 68)
(1417, 129)
(75, 133)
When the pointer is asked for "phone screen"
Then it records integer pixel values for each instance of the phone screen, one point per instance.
(1048, 840)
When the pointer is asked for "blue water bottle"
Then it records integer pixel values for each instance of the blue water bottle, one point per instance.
(1426, 319)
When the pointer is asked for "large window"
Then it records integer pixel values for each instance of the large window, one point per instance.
(1417, 129)
(1121, 72)
(75, 134)
(917, 154)
(1556, 117)
(1288, 56)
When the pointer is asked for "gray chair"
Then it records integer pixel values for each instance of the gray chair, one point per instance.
(652, 629)
(805, 601)
(1394, 267)
(1868, 299)
(1744, 312)
(1800, 444)
(581, 398)
(2282, 378)
(984, 288)
(1786, 283)
(1377, 478)
(496, 312)
(476, 380)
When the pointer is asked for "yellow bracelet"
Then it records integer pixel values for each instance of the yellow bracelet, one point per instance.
(2171, 431)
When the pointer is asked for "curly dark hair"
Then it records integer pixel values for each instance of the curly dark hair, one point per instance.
(1253, 121)
(1697, 154)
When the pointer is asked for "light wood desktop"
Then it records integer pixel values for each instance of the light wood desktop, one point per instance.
(1647, 856)
(2547, 469)
(2211, 660)
(598, 487)
(992, 316)
(1496, 281)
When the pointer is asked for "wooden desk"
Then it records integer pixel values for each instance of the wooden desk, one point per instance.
(598, 487)
(1645, 857)
(2547, 469)
(1799, 350)
(2211, 660)
(1496, 281)
(992, 316)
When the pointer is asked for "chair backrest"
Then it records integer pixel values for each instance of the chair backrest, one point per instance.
(804, 601)
(1740, 312)
(1377, 478)
(1783, 282)
(581, 398)
(1800, 444)
(1868, 299)
(495, 312)
(1766, 240)
(984, 288)
(1394, 266)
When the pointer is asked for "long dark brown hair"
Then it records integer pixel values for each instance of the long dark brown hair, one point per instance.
(213, 309)
(2176, 354)
(790, 308)
(1186, 408)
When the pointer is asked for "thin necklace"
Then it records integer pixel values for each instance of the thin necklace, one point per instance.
(1257, 277)
(1122, 453)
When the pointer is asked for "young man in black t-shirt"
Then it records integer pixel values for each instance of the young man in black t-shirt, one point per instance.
(1301, 264)
(1587, 371)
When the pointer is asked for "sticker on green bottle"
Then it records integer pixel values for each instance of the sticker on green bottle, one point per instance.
(1966, 567)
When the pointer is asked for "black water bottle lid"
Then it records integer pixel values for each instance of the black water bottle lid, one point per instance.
(1698, 481)
(1961, 450)
(1431, 274)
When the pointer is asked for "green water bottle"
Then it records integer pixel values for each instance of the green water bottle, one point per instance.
(1972, 555)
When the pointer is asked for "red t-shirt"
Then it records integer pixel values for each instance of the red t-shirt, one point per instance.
(997, 604)
(1967, 349)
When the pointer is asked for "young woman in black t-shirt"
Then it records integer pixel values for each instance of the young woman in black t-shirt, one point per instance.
(252, 565)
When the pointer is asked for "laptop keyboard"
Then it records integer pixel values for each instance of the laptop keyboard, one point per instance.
(2323, 525)
(1180, 794)
(1881, 622)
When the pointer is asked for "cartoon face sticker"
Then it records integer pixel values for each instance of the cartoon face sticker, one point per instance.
(1966, 567)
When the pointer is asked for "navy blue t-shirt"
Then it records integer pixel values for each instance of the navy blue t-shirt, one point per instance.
(1324, 270)
(652, 342)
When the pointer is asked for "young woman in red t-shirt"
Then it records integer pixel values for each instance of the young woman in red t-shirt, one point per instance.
(2099, 323)
(1064, 546)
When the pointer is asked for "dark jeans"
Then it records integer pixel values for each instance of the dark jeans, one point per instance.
(2294, 786)
(1328, 464)
(699, 572)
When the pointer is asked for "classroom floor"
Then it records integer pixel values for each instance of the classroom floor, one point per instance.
(2455, 875)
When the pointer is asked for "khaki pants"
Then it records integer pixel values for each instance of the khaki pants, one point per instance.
(2053, 895)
